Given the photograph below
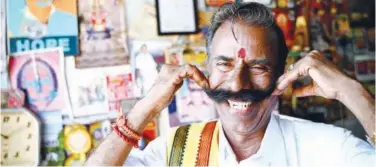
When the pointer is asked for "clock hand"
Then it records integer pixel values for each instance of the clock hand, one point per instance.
(36, 73)
(4, 136)
(20, 129)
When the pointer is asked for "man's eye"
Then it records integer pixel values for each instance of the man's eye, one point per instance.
(259, 69)
(224, 66)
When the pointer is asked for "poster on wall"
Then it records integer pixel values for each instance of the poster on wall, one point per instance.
(119, 87)
(37, 24)
(103, 40)
(41, 75)
(147, 58)
(88, 93)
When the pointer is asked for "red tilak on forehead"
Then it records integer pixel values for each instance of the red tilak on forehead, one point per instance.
(241, 53)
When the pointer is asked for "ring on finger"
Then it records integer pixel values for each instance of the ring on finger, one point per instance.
(290, 67)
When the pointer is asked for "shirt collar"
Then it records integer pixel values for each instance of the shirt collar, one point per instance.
(272, 149)
(28, 14)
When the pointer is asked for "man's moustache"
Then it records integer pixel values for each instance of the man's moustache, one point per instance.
(221, 95)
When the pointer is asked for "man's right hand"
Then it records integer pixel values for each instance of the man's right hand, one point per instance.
(169, 80)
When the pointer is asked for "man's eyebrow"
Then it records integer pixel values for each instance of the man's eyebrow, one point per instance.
(262, 61)
(223, 58)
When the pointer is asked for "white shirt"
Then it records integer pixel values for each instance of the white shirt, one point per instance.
(287, 142)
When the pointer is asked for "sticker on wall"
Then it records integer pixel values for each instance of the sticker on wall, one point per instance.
(102, 34)
(40, 24)
(41, 75)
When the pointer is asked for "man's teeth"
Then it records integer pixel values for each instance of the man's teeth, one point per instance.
(239, 105)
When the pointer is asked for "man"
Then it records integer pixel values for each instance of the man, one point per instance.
(246, 63)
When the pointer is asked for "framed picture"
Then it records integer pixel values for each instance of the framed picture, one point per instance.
(103, 38)
(177, 17)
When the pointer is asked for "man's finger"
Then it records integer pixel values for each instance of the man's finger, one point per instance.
(304, 91)
(195, 74)
(288, 78)
(300, 68)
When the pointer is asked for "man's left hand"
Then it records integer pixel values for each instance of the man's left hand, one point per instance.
(328, 80)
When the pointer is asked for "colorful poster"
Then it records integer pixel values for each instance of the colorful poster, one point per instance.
(103, 40)
(41, 75)
(39, 24)
(119, 87)
(88, 93)
(147, 58)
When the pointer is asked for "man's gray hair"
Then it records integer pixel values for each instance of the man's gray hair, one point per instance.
(251, 13)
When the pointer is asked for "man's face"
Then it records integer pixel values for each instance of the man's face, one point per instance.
(241, 87)
(144, 49)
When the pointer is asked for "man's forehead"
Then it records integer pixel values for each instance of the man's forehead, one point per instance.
(243, 36)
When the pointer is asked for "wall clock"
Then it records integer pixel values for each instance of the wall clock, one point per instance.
(20, 137)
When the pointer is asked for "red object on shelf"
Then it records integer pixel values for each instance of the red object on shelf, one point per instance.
(12, 98)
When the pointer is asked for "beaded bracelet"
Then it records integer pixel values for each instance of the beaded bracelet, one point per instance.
(125, 138)
(122, 124)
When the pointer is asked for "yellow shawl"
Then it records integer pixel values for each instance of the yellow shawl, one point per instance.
(194, 145)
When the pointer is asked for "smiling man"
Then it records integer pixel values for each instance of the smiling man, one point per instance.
(247, 53)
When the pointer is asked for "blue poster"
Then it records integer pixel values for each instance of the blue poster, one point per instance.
(39, 24)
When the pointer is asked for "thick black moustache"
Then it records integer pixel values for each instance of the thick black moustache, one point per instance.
(246, 95)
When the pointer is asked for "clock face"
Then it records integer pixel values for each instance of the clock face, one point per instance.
(19, 139)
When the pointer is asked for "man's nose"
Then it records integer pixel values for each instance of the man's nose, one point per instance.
(240, 77)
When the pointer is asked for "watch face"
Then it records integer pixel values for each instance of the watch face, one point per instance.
(19, 139)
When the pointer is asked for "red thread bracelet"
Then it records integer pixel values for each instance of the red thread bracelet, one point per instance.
(122, 123)
(125, 138)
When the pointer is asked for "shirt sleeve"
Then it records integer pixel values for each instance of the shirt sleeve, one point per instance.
(357, 152)
(155, 154)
